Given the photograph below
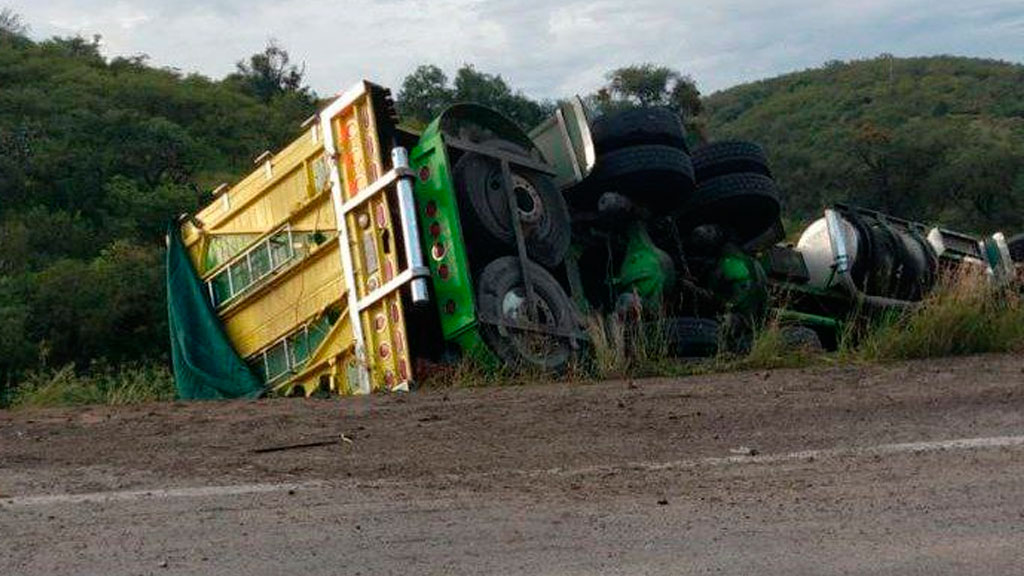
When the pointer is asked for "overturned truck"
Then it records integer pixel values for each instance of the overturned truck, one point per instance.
(363, 253)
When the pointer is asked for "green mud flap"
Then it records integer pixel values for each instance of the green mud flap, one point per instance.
(206, 366)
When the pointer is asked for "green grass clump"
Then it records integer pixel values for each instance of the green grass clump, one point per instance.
(468, 373)
(100, 384)
(771, 349)
(965, 314)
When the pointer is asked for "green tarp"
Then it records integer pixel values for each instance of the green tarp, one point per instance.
(205, 364)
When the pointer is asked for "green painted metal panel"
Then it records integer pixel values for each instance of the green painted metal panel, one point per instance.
(442, 235)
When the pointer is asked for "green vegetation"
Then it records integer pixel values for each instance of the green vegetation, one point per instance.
(96, 157)
(652, 85)
(966, 315)
(427, 92)
(935, 139)
(130, 383)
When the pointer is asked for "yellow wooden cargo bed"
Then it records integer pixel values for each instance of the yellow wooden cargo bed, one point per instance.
(286, 274)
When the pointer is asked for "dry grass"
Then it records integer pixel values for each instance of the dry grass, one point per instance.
(101, 384)
(624, 350)
(772, 348)
(966, 314)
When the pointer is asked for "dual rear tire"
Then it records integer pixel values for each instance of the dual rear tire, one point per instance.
(642, 155)
(520, 336)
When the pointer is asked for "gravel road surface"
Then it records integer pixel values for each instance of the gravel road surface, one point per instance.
(909, 468)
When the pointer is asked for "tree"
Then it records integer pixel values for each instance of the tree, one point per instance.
(940, 142)
(11, 23)
(96, 156)
(161, 150)
(270, 73)
(16, 350)
(492, 91)
(425, 93)
(650, 85)
(112, 306)
(143, 211)
(79, 47)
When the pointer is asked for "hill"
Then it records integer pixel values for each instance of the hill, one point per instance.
(939, 139)
(96, 155)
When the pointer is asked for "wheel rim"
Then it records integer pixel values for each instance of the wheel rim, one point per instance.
(529, 205)
(528, 202)
(532, 345)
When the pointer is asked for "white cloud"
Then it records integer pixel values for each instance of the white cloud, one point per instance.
(546, 48)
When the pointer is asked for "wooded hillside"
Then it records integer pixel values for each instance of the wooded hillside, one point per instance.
(96, 156)
(938, 139)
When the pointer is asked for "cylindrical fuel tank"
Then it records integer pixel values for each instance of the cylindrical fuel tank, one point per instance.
(815, 246)
(885, 259)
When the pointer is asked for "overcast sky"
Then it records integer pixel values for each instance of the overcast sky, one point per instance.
(545, 48)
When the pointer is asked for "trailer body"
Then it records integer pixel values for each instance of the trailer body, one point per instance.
(342, 257)
(309, 262)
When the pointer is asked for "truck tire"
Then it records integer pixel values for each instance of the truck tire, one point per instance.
(543, 213)
(747, 205)
(729, 157)
(501, 293)
(802, 338)
(1016, 246)
(918, 266)
(655, 176)
(688, 337)
(638, 127)
(880, 279)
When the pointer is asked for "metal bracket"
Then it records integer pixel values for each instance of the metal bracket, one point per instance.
(517, 227)
(517, 159)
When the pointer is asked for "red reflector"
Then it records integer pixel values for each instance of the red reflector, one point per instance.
(431, 209)
(424, 174)
(438, 251)
(435, 229)
(443, 271)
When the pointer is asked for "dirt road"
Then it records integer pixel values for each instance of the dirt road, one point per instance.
(914, 468)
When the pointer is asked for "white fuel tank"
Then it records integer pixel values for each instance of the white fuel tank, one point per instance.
(819, 255)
